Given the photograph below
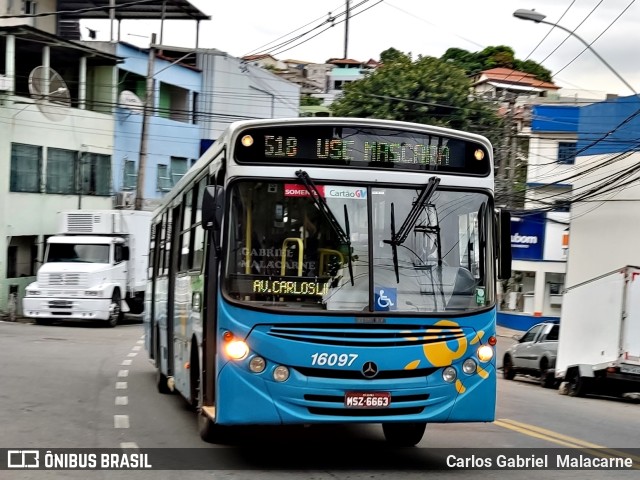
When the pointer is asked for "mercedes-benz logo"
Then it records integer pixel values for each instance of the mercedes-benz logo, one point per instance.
(369, 369)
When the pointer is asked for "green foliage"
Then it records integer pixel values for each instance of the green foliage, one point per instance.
(427, 90)
(494, 57)
(309, 101)
(391, 55)
(534, 68)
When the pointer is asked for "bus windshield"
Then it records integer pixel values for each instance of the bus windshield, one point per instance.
(285, 253)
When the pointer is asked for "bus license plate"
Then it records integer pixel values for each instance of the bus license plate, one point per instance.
(367, 399)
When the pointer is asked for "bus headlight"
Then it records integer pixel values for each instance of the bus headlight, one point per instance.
(449, 374)
(281, 373)
(257, 364)
(236, 349)
(485, 353)
(469, 366)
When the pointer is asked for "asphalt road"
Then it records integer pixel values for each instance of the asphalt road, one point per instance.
(79, 385)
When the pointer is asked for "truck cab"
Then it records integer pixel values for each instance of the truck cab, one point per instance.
(90, 275)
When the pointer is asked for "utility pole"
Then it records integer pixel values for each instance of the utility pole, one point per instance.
(146, 112)
(511, 150)
(346, 31)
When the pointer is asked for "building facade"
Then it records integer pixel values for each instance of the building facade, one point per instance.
(56, 144)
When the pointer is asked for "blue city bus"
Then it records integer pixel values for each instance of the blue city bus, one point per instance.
(330, 270)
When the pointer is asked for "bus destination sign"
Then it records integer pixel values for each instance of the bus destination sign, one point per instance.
(361, 147)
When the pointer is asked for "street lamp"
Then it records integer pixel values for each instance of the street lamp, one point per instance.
(537, 17)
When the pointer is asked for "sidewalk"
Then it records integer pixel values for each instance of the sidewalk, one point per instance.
(507, 332)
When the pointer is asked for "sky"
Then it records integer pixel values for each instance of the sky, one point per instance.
(419, 27)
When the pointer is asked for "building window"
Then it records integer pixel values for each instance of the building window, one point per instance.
(95, 172)
(22, 255)
(174, 103)
(179, 167)
(130, 177)
(194, 108)
(30, 7)
(164, 181)
(567, 153)
(61, 171)
(26, 168)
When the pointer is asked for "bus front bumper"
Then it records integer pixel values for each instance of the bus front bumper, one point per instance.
(246, 398)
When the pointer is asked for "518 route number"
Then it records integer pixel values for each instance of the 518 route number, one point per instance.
(333, 359)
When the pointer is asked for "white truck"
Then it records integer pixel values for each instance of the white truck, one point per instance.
(599, 343)
(95, 268)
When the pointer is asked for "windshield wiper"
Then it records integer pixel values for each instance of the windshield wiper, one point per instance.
(399, 237)
(343, 237)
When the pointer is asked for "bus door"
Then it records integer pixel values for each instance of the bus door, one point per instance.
(152, 341)
(174, 258)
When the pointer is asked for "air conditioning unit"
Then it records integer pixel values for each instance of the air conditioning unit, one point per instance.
(125, 199)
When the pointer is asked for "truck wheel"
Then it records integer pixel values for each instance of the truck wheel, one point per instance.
(404, 434)
(115, 310)
(577, 385)
(547, 379)
(508, 371)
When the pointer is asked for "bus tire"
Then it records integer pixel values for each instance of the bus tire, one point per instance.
(209, 431)
(404, 434)
(162, 381)
(194, 378)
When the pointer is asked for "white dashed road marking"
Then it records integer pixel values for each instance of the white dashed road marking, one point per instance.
(126, 362)
(129, 445)
(121, 421)
(121, 385)
(122, 400)
(123, 373)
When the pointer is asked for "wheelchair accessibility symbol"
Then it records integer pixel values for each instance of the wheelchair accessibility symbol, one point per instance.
(385, 299)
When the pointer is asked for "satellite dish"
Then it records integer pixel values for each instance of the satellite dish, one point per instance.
(51, 93)
(130, 101)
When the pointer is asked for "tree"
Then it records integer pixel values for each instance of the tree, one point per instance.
(494, 57)
(309, 101)
(427, 90)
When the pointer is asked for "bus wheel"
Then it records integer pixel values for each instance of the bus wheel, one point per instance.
(209, 431)
(403, 434)
(162, 382)
(115, 309)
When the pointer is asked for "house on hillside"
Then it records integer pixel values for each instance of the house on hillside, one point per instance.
(502, 84)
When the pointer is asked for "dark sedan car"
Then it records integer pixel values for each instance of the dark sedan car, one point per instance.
(534, 354)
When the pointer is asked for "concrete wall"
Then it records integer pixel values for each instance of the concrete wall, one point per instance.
(33, 214)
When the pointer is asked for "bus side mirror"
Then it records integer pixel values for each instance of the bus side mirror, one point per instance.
(212, 207)
(504, 244)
